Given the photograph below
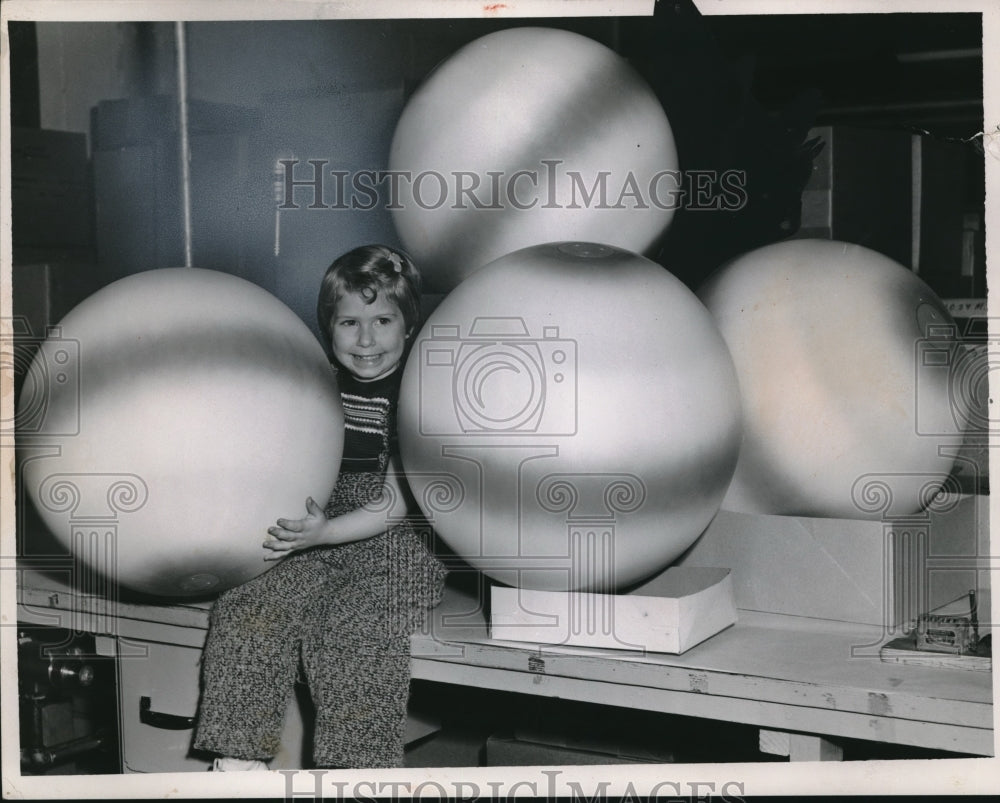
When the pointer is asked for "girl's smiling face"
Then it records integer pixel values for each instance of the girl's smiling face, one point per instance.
(368, 338)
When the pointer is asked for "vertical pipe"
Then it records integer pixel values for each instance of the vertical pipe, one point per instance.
(916, 199)
(185, 145)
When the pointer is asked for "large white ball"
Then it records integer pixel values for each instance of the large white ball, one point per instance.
(846, 363)
(176, 414)
(569, 418)
(527, 136)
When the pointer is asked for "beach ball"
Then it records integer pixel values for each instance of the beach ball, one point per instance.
(851, 376)
(169, 420)
(526, 136)
(569, 418)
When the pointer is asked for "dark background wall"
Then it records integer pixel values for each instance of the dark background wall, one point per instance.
(781, 97)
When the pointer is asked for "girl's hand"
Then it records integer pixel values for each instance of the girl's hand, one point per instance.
(291, 535)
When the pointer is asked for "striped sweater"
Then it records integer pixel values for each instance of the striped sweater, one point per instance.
(369, 425)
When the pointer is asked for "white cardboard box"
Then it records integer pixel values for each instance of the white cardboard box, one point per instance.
(680, 608)
(881, 573)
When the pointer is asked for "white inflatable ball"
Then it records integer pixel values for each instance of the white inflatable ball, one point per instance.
(569, 418)
(172, 418)
(526, 136)
(846, 363)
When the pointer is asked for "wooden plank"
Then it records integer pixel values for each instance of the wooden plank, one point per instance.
(757, 662)
(780, 716)
(799, 746)
(748, 660)
(805, 747)
(817, 694)
(758, 658)
(40, 594)
(760, 663)
(904, 651)
(58, 606)
(774, 743)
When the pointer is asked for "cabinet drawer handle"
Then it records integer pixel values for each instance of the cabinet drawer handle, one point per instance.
(170, 722)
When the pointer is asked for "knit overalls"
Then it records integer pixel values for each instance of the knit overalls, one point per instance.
(347, 611)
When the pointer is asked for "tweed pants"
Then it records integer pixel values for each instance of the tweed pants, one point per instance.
(347, 613)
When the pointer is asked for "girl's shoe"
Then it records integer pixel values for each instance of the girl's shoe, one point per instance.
(227, 764)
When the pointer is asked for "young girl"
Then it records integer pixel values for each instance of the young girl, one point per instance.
(352, 586)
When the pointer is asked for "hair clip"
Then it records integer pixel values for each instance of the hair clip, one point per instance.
(397, 263)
